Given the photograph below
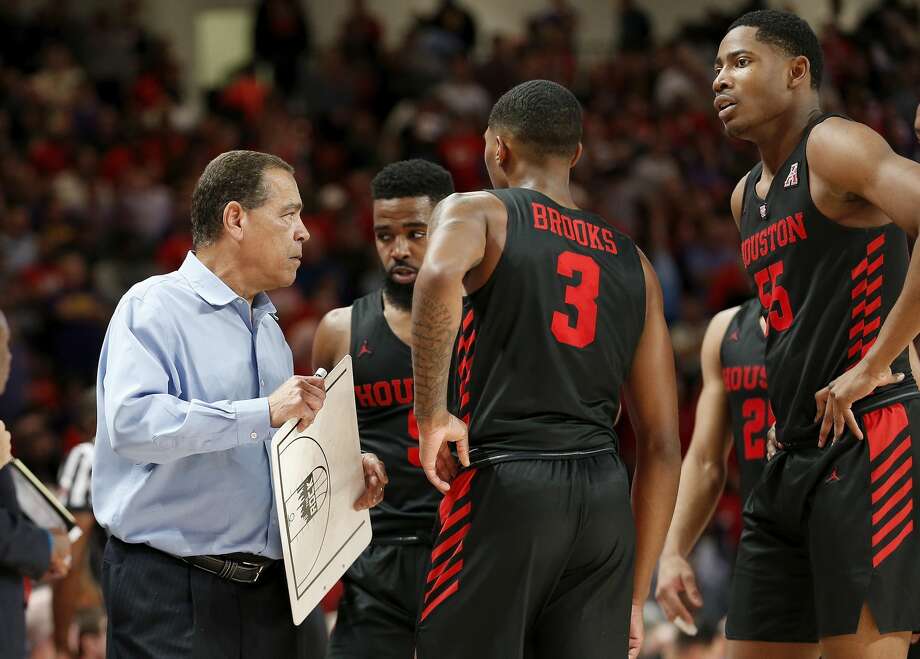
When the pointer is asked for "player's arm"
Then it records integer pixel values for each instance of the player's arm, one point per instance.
(68, 591)
(333, 335)
(651, 396)
(737, 200)
(854, 159)
(456, 244)
(702, 478)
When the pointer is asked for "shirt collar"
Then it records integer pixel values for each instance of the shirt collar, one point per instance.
(212, 288)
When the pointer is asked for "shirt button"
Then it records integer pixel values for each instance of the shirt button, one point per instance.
(262, 383)
(253, 435)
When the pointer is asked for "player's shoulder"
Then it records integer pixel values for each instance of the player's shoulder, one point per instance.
(337, 321)
(720, 322)
(479, 201)
(844, 144)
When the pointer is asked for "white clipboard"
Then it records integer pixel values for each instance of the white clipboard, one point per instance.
(317, 476)
(39, 504)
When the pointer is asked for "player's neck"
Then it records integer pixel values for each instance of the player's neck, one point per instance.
(551, 181)
(779, 137)
(399, 319)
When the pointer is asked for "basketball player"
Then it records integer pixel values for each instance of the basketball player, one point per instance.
(830, 550)
(537, 553)
(732, 410)
(378, 610)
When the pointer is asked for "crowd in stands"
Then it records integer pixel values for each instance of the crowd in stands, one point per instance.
(99, 152)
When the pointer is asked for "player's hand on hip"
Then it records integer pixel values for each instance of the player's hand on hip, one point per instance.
(375, 480)
(301, 397)
(677, 592)
(835, 401)
(435, 434)
(636, 630)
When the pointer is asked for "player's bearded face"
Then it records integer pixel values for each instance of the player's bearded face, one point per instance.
(401, 238)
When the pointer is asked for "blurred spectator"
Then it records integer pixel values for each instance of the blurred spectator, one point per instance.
(454, 23)
(361, 33)
(282, 38)
(635, 28)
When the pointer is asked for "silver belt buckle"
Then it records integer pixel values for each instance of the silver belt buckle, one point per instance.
(258, 566)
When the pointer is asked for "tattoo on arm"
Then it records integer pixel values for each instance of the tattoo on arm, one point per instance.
(432, 335)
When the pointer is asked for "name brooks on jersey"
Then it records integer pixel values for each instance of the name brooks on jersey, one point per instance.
(586, 234)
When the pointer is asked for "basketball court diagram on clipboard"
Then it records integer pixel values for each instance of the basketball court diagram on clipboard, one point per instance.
(317, 476)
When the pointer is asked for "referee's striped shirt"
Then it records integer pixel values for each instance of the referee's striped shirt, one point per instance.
(75, 481)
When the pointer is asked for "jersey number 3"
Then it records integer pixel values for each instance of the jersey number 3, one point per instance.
(582, 296)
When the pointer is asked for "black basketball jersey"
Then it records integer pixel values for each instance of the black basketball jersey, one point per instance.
(745, 378)
(547, 342)
(384, 397)
(825, 291)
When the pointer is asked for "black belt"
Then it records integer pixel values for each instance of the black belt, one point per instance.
(247, 570)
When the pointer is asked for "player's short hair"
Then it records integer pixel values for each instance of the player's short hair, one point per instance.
(231, 176)
(788, 32)
(412, 178)
(542, 114)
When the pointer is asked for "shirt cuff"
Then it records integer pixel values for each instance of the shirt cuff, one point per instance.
(50, 541)
(253, 421)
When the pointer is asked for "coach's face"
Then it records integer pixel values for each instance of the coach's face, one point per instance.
(272, 235)
(752, 83)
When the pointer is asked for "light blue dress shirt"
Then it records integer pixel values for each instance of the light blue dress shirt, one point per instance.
(183, 429)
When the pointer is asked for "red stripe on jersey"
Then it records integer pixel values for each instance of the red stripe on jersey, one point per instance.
(450, 590)
(458, 515)
(450, 542)
(875, 244)
(883, 426)
(875, 285)
(876, 264)
(891, 524)
(892, 501)
(859, 289)
(859, 269)
(883, 468)
(894, 544)
(899, 473)
(447, 574)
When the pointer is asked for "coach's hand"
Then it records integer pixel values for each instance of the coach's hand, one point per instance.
(636, 630)
(375, 479)
(434, 436)
(835, 401)
(676, 577)
(301, 398)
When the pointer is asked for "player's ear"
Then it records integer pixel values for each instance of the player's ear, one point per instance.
(578, 151)
(501, 150)
(799, 70)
